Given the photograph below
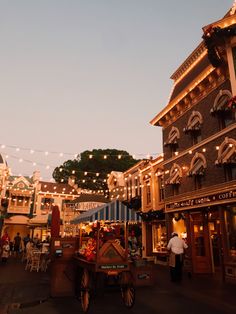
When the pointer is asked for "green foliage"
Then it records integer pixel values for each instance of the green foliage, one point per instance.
(96, 167)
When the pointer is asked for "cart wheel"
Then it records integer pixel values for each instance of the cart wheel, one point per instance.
(128, 295)
(85, 291)
(127, 289)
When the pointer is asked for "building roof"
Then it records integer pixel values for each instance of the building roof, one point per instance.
(90, 198)
(190, 77)
(59, 188)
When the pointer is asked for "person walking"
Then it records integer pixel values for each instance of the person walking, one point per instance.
(176, 246)
(5, 251)
(17, 244)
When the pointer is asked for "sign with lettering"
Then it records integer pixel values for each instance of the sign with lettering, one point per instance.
(202, 201)
(122, 266)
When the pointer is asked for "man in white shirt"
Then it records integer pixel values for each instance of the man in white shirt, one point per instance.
(176, 246)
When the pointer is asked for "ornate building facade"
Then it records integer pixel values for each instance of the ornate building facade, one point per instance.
(199, 132)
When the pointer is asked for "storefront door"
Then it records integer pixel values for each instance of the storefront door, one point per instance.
(200, 244)
(215, 242)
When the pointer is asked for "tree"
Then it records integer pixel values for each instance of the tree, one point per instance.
(91, 168)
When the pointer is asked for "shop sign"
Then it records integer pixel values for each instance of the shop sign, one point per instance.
(113, 266)
(206, 200)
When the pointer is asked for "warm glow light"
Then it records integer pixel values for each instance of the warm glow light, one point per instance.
(3, 146)
(204, 150)
(190, 152)
(105, 157)
(217, 147)
(119, 156)
(90, 156)
(73, 171)
(97, 174)
(85, 173)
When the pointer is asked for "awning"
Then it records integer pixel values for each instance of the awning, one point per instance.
(113, 211)
(227, 156)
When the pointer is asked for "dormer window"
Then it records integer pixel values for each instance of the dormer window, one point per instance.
(172, 140)
(194, 127)
(197, 169)
(223, 110)
(227, 158)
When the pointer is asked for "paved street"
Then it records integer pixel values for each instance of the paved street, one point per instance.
(25, 292)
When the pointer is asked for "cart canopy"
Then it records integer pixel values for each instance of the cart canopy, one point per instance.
(113, 211)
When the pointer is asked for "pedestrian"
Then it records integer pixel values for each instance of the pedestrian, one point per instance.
(17, 244)
(26, 239)
(5, 238)
(176, 246)
(5, 251)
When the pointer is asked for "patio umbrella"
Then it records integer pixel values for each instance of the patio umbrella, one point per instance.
(55, 224)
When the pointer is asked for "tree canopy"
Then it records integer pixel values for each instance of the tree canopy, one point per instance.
(90, 168)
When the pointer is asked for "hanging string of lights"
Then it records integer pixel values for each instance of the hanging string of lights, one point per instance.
(75, 155)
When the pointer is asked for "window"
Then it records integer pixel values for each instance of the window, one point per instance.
(230, 172)
(196, 137)
(148, 193)
(194, 127)
(175, 189)
(197, 169)
(136, 187)
(222, 110)
(160, 182)
(46, 203)
(230, 214)
(159, 238)
(226, 118)
(227, 158)
(198, 182)
(172, 140)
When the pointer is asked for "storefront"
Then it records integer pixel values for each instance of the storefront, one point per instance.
(209, 226)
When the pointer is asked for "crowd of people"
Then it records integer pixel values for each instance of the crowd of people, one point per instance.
(17, 245)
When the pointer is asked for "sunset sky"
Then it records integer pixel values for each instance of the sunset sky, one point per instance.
(78, 75)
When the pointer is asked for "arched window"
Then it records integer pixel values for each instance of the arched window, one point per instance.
(222, 109)
(172, 140)
(175, 178)
(197, 169)
(193, 127)
(227, 158)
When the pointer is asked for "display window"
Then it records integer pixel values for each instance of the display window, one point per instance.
(179, 225)
(231, 230)
(159, 238)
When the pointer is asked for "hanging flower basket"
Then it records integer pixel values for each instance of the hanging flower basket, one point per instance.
(232, 103)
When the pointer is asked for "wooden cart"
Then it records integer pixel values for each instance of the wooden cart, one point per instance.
(110, 262)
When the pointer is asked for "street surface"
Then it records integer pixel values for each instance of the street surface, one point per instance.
(22, 291)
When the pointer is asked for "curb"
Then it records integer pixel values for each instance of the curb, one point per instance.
(17, 306)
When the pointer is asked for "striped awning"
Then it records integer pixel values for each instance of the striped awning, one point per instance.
(113, 211)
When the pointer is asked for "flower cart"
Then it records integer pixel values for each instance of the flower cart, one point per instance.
(103, 257)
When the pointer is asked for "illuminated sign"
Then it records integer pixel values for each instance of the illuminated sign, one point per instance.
(205, 200)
